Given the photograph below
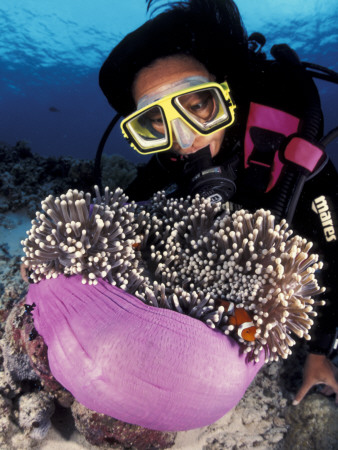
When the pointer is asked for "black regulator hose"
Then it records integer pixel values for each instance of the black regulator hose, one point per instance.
(293, 178)
(324, 142)
(311, 125)
(331, 136)
(321, 72)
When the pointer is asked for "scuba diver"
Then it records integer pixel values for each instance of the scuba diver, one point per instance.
(221, 120)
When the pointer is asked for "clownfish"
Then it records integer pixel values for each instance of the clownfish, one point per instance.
(241, 320)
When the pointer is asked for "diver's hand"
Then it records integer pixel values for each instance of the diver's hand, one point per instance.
(318, 370)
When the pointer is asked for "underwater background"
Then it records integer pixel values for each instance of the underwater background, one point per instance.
(53, 115)
(51, 53)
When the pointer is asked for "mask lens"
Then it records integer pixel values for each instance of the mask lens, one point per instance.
(205, 108)
(149, 128)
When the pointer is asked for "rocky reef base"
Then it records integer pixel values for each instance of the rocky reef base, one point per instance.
(31, 400)
(27, 178)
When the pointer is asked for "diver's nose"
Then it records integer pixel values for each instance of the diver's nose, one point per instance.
(183, 133)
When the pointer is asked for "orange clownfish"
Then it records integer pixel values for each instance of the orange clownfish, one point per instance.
(241, 320)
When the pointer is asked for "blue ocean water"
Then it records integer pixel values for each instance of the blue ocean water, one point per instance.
(51, 53)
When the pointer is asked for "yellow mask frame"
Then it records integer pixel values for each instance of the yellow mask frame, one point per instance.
(143, 137)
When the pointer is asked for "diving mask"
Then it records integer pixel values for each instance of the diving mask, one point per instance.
(201, 108)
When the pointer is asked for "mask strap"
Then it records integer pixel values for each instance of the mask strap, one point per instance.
(170, 89)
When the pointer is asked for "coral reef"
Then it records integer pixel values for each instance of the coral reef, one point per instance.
(25, 355)
(26, 177)
(7, 427)
(117, 171)
(17, 366)
(257, 421)
(265, 418)
(105, 431)
(26, 402)
(34, 413)
(11, 284)
(312, 424)
(188, 255)
(26, 381)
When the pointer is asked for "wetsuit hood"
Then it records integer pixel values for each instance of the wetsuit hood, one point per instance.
(211, 31)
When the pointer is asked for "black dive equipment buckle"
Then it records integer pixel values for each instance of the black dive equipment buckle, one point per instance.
(301, 158)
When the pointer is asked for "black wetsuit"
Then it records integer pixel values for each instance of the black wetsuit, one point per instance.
(317, 210)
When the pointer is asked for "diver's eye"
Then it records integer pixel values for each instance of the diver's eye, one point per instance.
(156, 120)
(154, 115)
(200, 104)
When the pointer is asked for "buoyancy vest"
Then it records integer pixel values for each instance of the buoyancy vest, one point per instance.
(278, 127)
(283, 128)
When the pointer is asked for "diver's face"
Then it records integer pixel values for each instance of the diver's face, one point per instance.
(169, 71)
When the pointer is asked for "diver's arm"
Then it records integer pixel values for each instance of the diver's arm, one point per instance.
(318, 207)
(316, 218)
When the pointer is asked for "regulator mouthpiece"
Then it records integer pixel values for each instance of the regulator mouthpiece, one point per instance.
(206, 179)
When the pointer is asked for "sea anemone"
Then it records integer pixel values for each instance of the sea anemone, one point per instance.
(239, 273)
(81, 235)
(139, 364)
(209, 260)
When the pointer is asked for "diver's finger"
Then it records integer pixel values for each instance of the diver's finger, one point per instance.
(304, 389)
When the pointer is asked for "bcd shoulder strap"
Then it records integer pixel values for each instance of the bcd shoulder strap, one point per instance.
(271, 143)
(284, 122)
